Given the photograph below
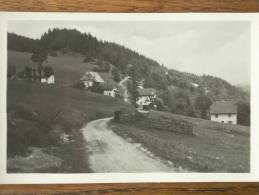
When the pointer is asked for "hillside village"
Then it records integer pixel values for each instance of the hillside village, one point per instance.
(112, 78)
(155, 87)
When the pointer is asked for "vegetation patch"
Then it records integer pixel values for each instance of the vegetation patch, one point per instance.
(38, 115)
(214, 147)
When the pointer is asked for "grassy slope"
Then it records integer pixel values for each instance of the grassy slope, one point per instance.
(215, 147)
(49, 100)
(68, 68)
(36, 112)
(62, 109)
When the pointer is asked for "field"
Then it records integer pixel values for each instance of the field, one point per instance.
(68, 68)
(39, 114)
(214, 147)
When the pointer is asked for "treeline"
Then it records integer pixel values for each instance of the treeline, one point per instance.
(178, 92)
(21, 43)
(88, 45)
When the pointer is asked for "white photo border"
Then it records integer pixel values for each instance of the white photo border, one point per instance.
(24, 178)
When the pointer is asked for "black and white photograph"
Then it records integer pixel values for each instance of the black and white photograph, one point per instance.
(130, 96)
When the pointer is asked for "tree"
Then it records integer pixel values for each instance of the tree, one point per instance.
(39, 56)
(202, 103)
(243, 113)
(11, 71)
(34, 75)
(48, 71)
(132, 87)
(27, 73)
(116, 75)
(88, 57)
(79, 85)
(160, 104)
(156, 80)
(97, 88)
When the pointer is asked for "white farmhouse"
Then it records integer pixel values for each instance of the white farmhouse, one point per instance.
(90, 78)
(224, 112)
(111, 91)
(145, 97)
(48, 79)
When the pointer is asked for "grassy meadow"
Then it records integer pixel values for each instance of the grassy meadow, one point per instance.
(39, 114)
(214, 147)
(68, 68)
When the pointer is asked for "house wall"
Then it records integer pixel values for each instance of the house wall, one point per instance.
(88, 83)
(43, 80)
(224, 118)
(143, 100)
(51, 79)
(111, 93)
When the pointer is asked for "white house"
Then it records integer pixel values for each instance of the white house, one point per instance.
(224, 112)
(145, 97)
(49, 80)
(110, 90)
(90, 78)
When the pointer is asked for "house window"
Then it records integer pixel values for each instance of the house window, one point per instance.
(222, 121)
(216, 115)
(230, 122)
(229, 115)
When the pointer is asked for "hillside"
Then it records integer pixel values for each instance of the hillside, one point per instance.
(39, 115)
(178, 92)
(213, 147)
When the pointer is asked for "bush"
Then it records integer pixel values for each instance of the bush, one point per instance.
(243, 113)
(53, 54)
(88, 58)
(116, 75)
(160, 104)
(102, 66)
(36, 133)
(11, 71)
(79, 85)
(97, 88)
(15, 141)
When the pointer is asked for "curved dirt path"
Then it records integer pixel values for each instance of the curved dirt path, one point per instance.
(111, 153)
(124, 86)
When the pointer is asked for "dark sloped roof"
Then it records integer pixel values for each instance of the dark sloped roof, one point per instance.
(223, 107)
(147, 92)
(109, 85)
(92, 76)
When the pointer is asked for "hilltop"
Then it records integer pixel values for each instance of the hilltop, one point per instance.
(178, 92)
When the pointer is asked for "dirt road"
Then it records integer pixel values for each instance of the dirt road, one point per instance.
(111, 153)
(123, 83)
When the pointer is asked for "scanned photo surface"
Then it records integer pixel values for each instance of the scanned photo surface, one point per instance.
(128, 96)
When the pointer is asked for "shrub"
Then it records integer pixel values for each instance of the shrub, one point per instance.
(97, 88)
(53, 54)
(79, 85)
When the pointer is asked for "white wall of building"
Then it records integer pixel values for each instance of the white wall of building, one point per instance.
(226, 118)
(111, 93)
(143, 100)
(88, 83)
(51, 79)
(43, 80)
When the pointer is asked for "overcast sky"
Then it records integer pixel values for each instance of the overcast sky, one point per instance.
(216, 48)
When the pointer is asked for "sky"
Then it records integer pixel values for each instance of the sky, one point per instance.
(217, 48)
